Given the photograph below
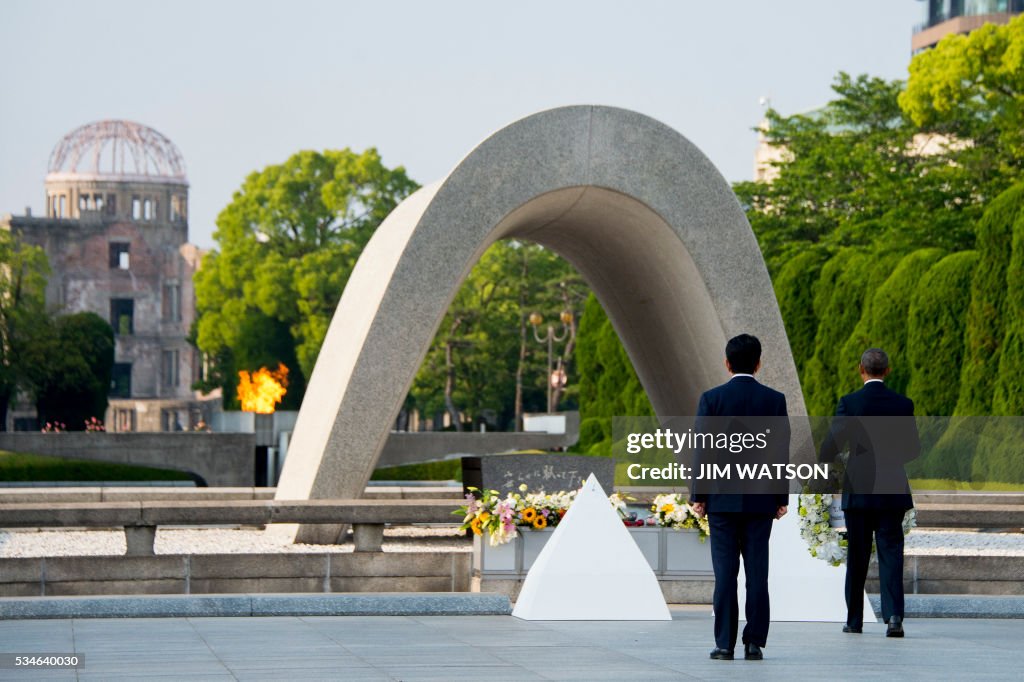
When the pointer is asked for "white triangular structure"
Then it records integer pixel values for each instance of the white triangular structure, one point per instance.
(591, 569)
(802, 588)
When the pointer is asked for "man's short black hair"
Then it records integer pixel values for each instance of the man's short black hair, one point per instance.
(743, 353)
(874, 361)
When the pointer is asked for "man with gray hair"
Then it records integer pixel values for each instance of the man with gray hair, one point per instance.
(876, 493)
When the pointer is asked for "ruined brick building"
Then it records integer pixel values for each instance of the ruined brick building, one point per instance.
(116, 236)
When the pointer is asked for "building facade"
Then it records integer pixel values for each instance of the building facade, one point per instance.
(116, 236)
(943, 17)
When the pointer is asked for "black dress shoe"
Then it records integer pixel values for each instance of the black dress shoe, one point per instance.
(853, 629)
(895, 628)
(721, 654)
(752, 652)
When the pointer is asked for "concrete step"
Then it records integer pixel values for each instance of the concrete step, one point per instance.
(966, 497)
(970, 515)
(964, 575)
(958, 606)
(219, 605)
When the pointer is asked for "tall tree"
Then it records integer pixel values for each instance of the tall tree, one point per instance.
(286, 245)
(23, 317)
(970, 89)
(856, 173)
(73, 378)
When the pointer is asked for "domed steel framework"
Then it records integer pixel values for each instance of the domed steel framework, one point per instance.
(117, 150)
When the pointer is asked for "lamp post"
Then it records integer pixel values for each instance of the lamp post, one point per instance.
(556, 376)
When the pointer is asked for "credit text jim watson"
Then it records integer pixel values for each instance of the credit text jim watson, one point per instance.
(733, 443)
(730, 471)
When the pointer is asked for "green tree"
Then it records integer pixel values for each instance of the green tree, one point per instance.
(484, 356)
(935, 332)
(609, 386)
(286, 245)
(969, 88)
(73, 379)
(852, 174)
(23, 317)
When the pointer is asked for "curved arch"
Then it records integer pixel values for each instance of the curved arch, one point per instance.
(640, 212)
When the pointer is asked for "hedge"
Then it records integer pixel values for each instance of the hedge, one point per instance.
(609, 386)
(986, 315)
(884, 322)
(935, 332)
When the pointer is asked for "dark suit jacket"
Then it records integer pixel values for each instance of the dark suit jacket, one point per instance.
(745, 397)
(879, 447)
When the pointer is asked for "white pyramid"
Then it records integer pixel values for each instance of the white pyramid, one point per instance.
(591, 569)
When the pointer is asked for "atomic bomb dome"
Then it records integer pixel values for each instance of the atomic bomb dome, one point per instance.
(115, 235)
(116, 150)
(117, 170)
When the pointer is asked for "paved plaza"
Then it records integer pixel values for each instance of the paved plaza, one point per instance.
(497, 648)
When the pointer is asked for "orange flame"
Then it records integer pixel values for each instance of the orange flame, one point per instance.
(262, 390)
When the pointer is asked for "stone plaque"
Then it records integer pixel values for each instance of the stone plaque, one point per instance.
(543, 472)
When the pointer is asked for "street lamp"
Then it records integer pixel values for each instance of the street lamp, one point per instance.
(556, 377)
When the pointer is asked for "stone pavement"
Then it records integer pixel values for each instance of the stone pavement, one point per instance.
(497, 648)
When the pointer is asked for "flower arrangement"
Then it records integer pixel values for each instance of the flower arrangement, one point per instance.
(671, 511)
(823, 541)
(94, 425)
(486, 512)
(54, 427)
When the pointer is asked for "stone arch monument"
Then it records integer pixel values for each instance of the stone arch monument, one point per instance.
(636, 208)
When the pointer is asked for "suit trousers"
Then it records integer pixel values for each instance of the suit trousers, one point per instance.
(886, 525)
(735, 535)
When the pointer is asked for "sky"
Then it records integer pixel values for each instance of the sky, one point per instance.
(242, 85)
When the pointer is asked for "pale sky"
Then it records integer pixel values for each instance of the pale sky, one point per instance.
(240, 85)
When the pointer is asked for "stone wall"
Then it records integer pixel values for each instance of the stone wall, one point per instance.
(236, 573)
(221, 459)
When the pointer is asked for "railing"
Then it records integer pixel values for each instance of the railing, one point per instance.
(141, 519)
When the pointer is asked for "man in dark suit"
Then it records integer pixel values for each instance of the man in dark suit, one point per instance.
(741, 524)
(876, 424)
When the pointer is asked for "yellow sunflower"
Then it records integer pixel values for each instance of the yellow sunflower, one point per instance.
(480, 520)
(529, 514)
(540, 522)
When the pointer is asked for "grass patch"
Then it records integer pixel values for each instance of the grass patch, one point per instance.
(970, 486)
(444, 470)
(21, 467)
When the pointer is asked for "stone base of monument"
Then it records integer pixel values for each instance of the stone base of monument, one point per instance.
(669, 552)
(676, 590)
(680, 561)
